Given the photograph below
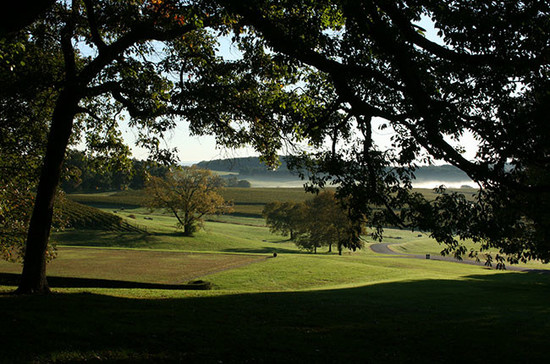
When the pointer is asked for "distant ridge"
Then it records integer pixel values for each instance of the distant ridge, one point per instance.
(251, 166)
(247, 166)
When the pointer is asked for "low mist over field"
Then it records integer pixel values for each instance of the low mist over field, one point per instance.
(252, 170)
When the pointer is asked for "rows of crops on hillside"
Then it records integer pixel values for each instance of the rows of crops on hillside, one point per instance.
(129, 198)
(80, 216)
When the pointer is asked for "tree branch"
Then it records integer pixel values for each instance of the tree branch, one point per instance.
(287, 43)
(410, 34)
(94, 29)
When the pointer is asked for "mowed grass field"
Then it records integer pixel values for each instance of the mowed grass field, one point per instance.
(116, 299)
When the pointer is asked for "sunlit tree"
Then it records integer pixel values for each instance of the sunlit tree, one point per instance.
(189, 194)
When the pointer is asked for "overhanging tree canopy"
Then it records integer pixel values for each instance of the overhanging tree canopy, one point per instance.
(488, 75)
(155, 61)
(315, 70)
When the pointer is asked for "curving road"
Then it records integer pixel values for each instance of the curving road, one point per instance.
(384, 248)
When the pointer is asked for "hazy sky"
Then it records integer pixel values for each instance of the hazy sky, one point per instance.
(195, 149)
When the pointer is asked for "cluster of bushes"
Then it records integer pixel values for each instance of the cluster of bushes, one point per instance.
(233, 181)
(321, 221)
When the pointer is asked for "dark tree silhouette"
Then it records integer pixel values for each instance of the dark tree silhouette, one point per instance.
(374, 66)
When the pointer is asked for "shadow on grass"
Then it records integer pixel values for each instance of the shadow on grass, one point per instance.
(175, 234)
(12, 279)
(102, 238)
(264, 250)
(109, 205)
(483, 318)
(246, 214)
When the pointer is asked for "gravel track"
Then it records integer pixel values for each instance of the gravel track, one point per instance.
(384, 248)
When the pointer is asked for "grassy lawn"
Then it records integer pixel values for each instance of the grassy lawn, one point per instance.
(162, 234)
(157, 268)
(116, 299)
(479, 317)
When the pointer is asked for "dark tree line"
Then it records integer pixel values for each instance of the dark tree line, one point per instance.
(247, 166)
(89, 174)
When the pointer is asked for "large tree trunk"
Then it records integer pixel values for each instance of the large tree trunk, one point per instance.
(33, 278)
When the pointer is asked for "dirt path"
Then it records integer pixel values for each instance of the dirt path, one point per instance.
(384, 248)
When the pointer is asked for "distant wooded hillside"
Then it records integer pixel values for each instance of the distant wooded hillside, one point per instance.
(251, 166)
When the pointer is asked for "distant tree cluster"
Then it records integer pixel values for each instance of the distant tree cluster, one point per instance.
(84, 173)
(233, 181)
(321, 221)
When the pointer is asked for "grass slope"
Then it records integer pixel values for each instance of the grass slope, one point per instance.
(161, 233)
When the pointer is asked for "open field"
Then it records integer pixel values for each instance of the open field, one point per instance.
(116, 299)
(406, 242)
(138, 267)
(246, 235)
(248, 202)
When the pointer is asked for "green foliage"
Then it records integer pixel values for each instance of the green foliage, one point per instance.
(370, 66)
(29, 70)
(15, 209)
(86, 173)
(232, 181)
(285, 217)
(327, 223)
(16, 203)
(189, 193)
(321, 221)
